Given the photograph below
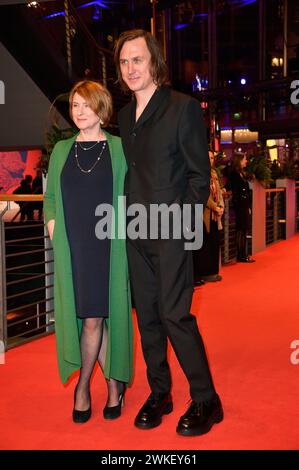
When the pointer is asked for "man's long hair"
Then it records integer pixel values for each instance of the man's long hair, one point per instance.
(159, 69)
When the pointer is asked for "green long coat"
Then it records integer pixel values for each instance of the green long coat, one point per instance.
(67, 325)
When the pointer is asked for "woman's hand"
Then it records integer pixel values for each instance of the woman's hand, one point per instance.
(219, 211)
(51, 225)
(226, 194)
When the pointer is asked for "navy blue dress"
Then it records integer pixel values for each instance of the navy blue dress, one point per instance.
(81, 194)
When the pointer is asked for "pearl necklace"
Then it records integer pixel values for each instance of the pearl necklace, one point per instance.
(95, 163)
(88, 148)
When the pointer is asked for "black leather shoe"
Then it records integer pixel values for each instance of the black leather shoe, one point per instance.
(113, 412)
(200, 417)
(150, 415)
(199, 282)
(212, 278)
(78, 415)
(246, 260)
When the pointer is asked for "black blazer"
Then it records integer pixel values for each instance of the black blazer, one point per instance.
(166, 150)
(240, 189)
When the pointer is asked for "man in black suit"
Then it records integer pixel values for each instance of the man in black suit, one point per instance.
(164, 141)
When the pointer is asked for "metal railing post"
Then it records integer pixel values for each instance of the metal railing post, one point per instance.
(49, 281)
(275, 217)
(49, 277)
(297, 208)
(226, 230)
(3, 302)
(68, 39)
(104, 69)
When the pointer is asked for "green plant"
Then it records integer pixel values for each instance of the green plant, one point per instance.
(54, 133)
(258, 168)
(52, 137)
(289, 169)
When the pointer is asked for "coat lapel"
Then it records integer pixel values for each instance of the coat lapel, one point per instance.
(110, 146)
(153, 104)
(63, 155)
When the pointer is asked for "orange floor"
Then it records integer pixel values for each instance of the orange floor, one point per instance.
(248, 322)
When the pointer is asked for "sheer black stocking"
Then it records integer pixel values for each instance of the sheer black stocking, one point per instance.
(90, 343)
(114, 386)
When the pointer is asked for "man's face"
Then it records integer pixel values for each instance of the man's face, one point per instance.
(135, 66)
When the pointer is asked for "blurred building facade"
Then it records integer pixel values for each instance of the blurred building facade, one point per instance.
(240, 58)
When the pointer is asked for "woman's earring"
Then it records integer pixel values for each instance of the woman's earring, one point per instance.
(101, 122)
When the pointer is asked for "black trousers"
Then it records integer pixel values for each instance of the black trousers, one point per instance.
(161, 273)
(206, 259)
(242, 226)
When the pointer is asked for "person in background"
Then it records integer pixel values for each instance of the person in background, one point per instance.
(91, 296)
(238, 185)
(28, 179)
(207, 258)
(25, 207)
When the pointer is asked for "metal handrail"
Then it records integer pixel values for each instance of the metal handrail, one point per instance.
(275, 190)
(31, 318)
(26, 279)
(21, 197)
(27, 265)
(28, 252)
(25, 226)
(27, 292)
(31, 331)
(24, 239)
(48, 299)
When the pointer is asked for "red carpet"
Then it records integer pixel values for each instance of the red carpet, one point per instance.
(248, 322)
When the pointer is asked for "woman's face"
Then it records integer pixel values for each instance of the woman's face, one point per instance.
(83, 116)
(211, 155)
(243, 162)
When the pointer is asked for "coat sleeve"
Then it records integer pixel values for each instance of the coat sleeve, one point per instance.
(233, 184)
(49, 198)
(193, 145)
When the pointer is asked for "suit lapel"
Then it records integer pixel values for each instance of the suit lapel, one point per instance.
(153, 104)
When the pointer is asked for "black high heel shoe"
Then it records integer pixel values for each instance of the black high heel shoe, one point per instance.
(78, 415)
(113, 412)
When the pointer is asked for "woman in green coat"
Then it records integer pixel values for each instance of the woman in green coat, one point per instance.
(91, 287)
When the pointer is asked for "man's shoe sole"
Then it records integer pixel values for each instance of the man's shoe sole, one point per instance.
(200, 430)
(153, 424)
